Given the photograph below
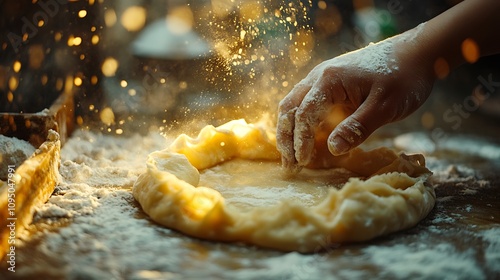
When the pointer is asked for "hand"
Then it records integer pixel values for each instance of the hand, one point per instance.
(344, 100)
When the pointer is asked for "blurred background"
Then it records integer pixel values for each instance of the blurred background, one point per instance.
(143, 63)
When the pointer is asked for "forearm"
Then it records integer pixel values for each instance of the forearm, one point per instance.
(475, 22)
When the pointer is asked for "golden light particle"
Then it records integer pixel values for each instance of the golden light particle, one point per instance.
(79, 120)
(68, 85)
(322, 5)
(74, 41)
(284, 83)
(470, 50)
(10, 97)
(94, 79)
(441, 68)
(91, 107)
(40, 23)
(133, 18)
(13, 83)
(78, 81)
(82, 13)
(300, 55)
(77, 41)
(107, 116)
(109, 17)
(57, 36)
(16, 66)
(95, 40)
(123, 83)
(91, 2)
(119, 131)
(82, 56)
(109, 67)
(183, 85)
(70, 40)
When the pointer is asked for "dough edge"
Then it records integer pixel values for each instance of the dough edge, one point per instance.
(361, 210)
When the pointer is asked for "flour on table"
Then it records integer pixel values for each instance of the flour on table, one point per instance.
(14, 152)
(112, 239)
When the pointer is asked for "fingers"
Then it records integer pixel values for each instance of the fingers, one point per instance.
(301, 113)
(286, 125)
(307, 119)
(347, 135)
(351, 132)
(312, 112)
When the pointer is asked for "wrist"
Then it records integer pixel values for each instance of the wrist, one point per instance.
(414, 53)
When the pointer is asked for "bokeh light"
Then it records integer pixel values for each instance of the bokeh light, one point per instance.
(470, 50)
(441, 68)
(109, 67)
(133, 18)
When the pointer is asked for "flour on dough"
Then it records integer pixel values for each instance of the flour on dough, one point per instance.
(393, 197)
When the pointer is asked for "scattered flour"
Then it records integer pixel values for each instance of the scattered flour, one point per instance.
(492, 252)
(374, 58)
(13, 151)
(108, 237)
(412, 34)
(423, 261)
(70, 200)
(44, 112)
(441, 218)
(466, 145)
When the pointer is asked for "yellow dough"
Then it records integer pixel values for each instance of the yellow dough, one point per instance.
(394, 196)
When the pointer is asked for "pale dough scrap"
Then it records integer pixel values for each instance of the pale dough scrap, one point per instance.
(393, 198)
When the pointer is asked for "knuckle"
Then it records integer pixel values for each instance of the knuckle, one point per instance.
(284, 105)
(356, 129)
(301, 114)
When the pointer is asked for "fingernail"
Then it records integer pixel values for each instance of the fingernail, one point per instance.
(290, 167)
(339, 146)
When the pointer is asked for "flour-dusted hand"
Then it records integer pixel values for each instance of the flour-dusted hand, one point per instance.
(344, 100)
(380, 83)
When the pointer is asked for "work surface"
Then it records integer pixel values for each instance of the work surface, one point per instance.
(92, 228)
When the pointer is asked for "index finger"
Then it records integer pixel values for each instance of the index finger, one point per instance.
(286, 125)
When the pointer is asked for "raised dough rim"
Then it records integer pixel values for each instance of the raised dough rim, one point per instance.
(201, 212)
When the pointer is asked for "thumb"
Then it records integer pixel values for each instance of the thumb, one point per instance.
(354, 130)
